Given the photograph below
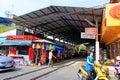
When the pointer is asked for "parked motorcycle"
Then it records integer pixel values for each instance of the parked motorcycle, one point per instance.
(102, 72)
(117, 69)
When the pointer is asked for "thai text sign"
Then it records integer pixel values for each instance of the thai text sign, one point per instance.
(90, 30)
(22, 37)
(87, 36)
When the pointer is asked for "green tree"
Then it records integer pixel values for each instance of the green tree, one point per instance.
(82, 47)
(5, 29)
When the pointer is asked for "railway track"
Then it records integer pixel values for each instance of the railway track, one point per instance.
(37, 77)
(47, 70)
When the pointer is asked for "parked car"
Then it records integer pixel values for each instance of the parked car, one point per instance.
(6, 63)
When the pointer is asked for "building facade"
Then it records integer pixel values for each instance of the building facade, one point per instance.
(111, 28)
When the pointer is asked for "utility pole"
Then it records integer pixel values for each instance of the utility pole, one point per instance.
(97, 41)
(95, 32)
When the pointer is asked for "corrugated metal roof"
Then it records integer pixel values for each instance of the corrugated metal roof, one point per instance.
(61, 21)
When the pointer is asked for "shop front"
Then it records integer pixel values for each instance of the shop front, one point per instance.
(41, 51)
(28, 49)
(111, 29)
(17, 47)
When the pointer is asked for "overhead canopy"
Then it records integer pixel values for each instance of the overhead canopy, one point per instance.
(4, 42)
(43, 41)
(58, 48)
(62, 22)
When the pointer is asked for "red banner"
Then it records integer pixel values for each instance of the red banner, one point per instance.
(21, 37)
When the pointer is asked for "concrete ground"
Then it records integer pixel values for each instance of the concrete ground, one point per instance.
(66, 73)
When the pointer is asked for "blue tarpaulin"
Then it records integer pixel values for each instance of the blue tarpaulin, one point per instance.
(4, 20)
(58, 47)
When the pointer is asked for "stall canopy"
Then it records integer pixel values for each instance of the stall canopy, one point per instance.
(58, 48)
(4, 42)
(43, 41)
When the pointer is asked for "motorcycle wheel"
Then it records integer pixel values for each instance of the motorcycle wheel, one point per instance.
(80, 76)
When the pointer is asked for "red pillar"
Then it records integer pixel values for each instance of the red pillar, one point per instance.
(31, 54)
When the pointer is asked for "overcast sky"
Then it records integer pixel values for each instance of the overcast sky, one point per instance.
(20, 7)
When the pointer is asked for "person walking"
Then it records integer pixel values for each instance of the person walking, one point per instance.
(50, 63)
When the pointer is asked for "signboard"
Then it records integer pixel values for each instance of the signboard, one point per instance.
(113, 14)
(91, 30)
(22, 37)
(87, 36)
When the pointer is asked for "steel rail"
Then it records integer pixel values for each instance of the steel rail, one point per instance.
(26, 73)
(37, 77)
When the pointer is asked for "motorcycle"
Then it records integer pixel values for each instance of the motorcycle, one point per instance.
(117, 69)
(102, 72)
(82, 73)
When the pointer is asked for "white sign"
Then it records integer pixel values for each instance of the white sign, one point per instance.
(87, 36)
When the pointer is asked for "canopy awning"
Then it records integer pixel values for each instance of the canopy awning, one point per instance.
(43, 41)
(4, 42)
(111, 34)
(58, 48)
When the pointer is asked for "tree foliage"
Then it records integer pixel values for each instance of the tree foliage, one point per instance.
(5, 29)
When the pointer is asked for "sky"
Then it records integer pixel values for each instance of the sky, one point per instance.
(20, 7)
